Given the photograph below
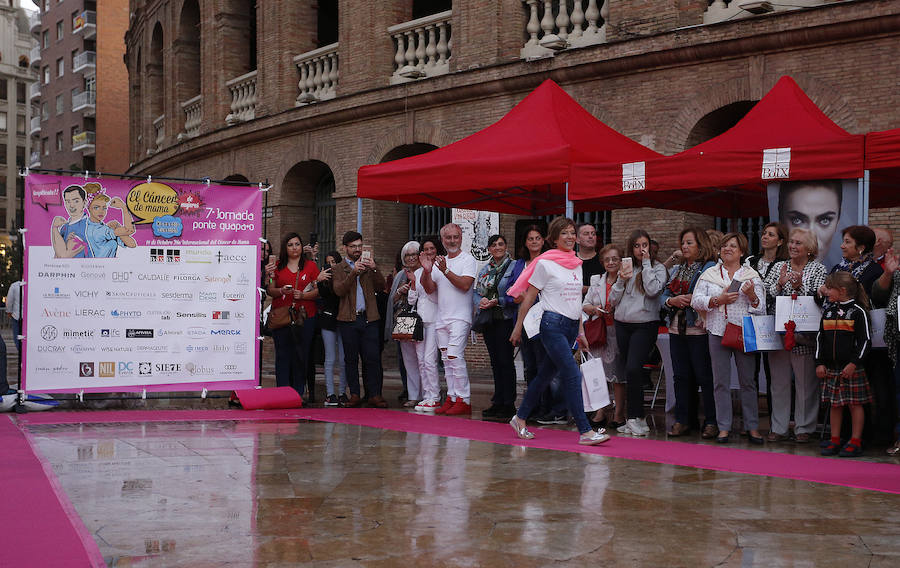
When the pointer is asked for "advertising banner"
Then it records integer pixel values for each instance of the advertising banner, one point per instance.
(133, 285)
(477, 227)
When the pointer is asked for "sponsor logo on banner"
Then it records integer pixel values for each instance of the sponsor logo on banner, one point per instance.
(145, 368)
(57, 370)
(196, 332)
(195, 369)
(56, 275)
(230, 369)
(187, 277)
(152, 348)
(226, 257)
(115, 348)
(234, 296)
(130, 295)
(122, 277)
(50, 348)
(222, 316)
(126, 368)
(209, 296)
(86, 369)
(197, 255)
(106, 369)
(167, 368)
(89, 313)
(153, 277)
(243, 280)
(56, 294)
(165, 332)
(139, 333)
(218, 279)
(224, 332)
(126, 314)
(57, 314)
(634, 177)
(48, 333)
(168, 256)
(86, 293)
(110, 333)
(45, 194)
(221, 348)
(776, 163)
(78, 333)
(83, 348)
(190, 315)
(240, 348)
(177, 296)
(196, 348)
(85, 275)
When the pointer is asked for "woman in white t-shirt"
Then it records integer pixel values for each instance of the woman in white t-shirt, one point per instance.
(557, 275)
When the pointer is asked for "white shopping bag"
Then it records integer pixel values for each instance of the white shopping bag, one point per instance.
(594, 389)
(877, 318)
(804, 312)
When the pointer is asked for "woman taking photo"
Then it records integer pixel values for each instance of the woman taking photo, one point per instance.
(292, 281)
(426, 350)
(688, 341)
(636, 298)
(801, 275)
(726, 293)
(398, 302)
(597, 304)
(495, 314)
(556, 273)
(331, 339)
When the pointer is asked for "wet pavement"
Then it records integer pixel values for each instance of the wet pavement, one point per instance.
(300, 493)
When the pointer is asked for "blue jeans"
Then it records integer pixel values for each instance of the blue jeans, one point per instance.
(334, 353)
(691, 368)
(635, 342)
(17, 329)
(500, 350)
(557, 336)
(361, 339)
(291, 358)
(552, 400)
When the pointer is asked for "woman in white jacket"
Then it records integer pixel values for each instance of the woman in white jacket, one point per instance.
(636, 297)
(426, 350)
(721, 306)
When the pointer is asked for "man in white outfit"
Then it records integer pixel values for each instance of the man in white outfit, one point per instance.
(453, 277)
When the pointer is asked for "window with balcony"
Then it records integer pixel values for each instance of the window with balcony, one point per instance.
(2, 153)
(46, 74)
(3, 121)
(187, 68)
(20, 124)
(21, 95)
(20, 156)
(422, 45)
(45, 39)
(45, 111)
(3, 90)
(59, 141)
(45, 146)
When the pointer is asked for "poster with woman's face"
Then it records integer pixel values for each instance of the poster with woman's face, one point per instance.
(824, 206)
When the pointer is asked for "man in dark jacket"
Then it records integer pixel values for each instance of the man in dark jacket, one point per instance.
(355, 281)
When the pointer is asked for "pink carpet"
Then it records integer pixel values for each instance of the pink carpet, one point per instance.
(40, 526)
(833, 471)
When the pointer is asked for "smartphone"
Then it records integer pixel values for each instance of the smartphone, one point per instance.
(273, 259)
(627, 263)
(289, 287)
(366, 253)
(313, 239)
(735, 286)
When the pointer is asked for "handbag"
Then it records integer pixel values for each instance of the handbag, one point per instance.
(281, 316)
(595, 332)
(408, 326)
(594, 389)
(484, 317)
(298, 316)
(734, 334)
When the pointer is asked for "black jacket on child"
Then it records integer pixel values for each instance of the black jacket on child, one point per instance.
(844, 336)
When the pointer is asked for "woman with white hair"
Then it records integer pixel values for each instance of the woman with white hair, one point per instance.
(398, 302)
(801, 274)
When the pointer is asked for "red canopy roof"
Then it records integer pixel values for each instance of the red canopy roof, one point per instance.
(883, 161)
(724, 176)
(517, 165)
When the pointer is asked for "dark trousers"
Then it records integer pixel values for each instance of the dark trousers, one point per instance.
(4, 385)
(691, 368)
(496, 340)
(292, 355)
(362, 341)
(635, 341)
(552, 401)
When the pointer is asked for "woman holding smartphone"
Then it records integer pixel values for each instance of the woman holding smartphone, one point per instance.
(635, 295)
(292, 280)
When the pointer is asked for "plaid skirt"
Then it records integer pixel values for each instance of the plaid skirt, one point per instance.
(843, 392)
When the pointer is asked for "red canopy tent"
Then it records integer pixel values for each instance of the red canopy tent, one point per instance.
(784, 137)
(519, 164)
(883, 163)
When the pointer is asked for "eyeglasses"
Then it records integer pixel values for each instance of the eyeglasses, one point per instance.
(411, 255)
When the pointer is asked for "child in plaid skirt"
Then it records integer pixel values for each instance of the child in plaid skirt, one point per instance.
(842, 345)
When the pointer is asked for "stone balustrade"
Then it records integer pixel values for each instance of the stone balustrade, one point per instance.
(193, 115)
(243, 98)
(585, 25)
(159, 126)
(318, 74)
(726, 10)
(423, 47)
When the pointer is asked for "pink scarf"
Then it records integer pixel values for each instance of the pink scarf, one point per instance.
(565, 259)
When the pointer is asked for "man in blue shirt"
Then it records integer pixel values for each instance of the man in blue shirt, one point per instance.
(68, 236)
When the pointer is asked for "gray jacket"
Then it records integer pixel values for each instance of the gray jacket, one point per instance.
(632, 306)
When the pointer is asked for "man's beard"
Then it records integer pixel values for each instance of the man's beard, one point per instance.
(453, 250)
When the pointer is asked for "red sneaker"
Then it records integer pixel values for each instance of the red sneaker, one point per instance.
(448, 404)
(459, 408)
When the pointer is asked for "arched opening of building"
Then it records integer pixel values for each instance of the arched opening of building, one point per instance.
(308, 204)
(237, 178)
(187, 52)
(327, 23)
(156, 80)
(136, 108)
(711, 125)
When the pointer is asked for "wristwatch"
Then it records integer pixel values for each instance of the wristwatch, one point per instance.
(446, 270)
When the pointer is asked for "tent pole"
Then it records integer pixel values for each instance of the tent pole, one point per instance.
(864, 198)
(359, 215)
(570, 208)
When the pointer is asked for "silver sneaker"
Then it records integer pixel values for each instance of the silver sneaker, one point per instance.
(519, 426)
(592, 438)
(638, 426)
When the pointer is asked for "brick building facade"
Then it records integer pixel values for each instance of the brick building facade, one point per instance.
(301, 94)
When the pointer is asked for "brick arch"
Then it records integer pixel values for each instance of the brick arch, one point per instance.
(424, 132)
(826, 96)
(318, 152)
